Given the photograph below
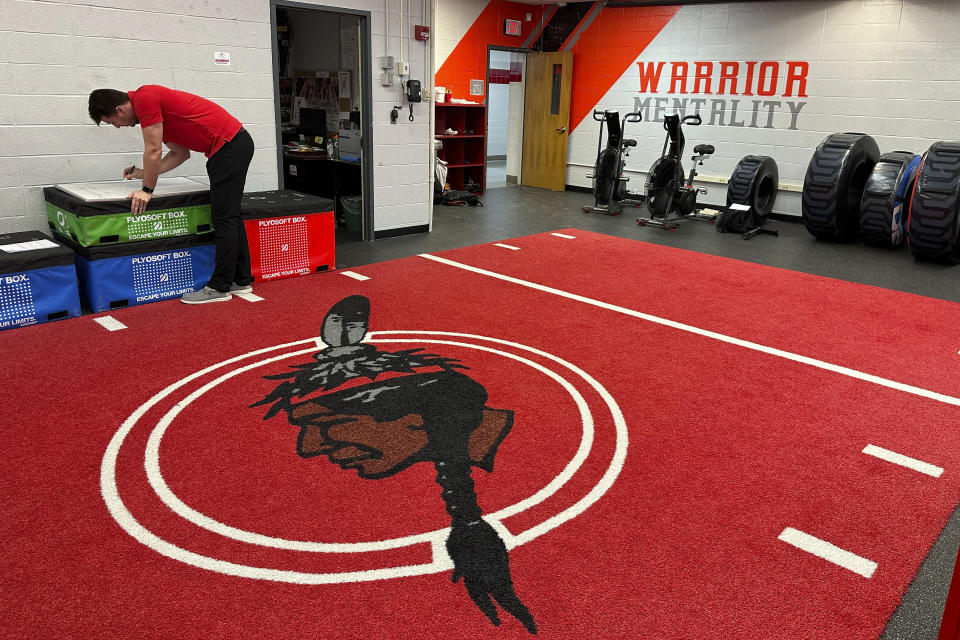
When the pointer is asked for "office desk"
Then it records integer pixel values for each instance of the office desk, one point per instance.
(318, 175)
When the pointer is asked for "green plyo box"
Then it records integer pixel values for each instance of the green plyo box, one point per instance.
(93, 222)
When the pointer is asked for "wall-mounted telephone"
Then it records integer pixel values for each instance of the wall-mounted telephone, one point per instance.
(413, 95)
(413, 91)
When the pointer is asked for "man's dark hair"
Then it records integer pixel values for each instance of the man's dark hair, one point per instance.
(104, 102)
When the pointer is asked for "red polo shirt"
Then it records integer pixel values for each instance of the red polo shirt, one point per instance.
(188, 120)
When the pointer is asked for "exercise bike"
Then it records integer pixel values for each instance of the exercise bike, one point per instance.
(668, 198)
(609, 184)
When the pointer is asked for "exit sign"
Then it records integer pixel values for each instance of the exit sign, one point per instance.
(511, 27)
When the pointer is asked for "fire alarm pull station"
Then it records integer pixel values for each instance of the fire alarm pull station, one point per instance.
(421, 32)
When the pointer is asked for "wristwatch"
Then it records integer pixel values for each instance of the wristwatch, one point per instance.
(146, 189)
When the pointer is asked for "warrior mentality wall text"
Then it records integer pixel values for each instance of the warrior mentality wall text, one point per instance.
(763, 80)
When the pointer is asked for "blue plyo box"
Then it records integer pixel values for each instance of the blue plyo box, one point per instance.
(116, 276)
(38, 280)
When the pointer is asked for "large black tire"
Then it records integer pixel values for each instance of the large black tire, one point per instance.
(834, 183)
(885, 204)
(754, 182)
(661, 185)
(605, 173)
(933, 223)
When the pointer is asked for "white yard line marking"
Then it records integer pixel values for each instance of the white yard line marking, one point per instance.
(354, 275)
(110, 323)
(506, 246)
(746, 344)
(249, 297)
(563, 235)
(903, 461)
(829, 552)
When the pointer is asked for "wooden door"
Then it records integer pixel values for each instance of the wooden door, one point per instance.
(546, 120)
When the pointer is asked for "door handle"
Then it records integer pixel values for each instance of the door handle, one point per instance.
(562, 129)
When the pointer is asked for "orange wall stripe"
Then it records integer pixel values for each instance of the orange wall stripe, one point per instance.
(607, 48)
(469, 59)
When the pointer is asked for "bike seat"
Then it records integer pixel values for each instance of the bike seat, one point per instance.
(704, 149)
(629, 142)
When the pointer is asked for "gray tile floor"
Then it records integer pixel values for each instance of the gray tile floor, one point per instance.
(515, 211)
(496, 174)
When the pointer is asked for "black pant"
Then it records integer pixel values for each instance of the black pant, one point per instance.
(227, 169)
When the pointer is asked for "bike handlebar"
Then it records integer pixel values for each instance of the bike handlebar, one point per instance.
(602, 115)
(695, 119)
(633, 117)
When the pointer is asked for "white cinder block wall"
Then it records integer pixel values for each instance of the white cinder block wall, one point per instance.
(403, 152)
(515, 125)
(890, 68)
(498, 108)
(453, 19)
(52, 54)
(55, 53)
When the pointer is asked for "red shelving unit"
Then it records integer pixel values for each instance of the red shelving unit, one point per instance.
(465, 152)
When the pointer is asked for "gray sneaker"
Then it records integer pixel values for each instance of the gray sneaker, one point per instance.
(241, 288)
(204, 295)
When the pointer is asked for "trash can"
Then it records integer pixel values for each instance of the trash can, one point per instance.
(353, 212)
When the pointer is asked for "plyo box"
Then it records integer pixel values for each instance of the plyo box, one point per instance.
(98, 213)
(38, 280)
(122, 275)
(289, 233)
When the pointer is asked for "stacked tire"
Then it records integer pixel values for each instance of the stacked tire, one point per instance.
(834, 185)
(754, 182)
(885, 205)
(933, 224)
(850, 190)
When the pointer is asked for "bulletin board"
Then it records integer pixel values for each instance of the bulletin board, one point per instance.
(319, 89)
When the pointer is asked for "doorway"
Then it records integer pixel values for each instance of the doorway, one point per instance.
(322, 95)
(547, 119)
(506, 72)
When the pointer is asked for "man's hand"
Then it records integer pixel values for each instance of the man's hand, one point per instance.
(138, 201)
(133, 173)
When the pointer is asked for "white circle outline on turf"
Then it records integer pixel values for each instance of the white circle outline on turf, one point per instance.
(441, 562)
(169, 498)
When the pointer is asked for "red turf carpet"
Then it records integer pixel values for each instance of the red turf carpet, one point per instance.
(647, 474)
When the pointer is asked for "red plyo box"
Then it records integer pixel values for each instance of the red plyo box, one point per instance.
(289, 234)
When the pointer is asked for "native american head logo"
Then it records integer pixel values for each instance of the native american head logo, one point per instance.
(379, 412)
